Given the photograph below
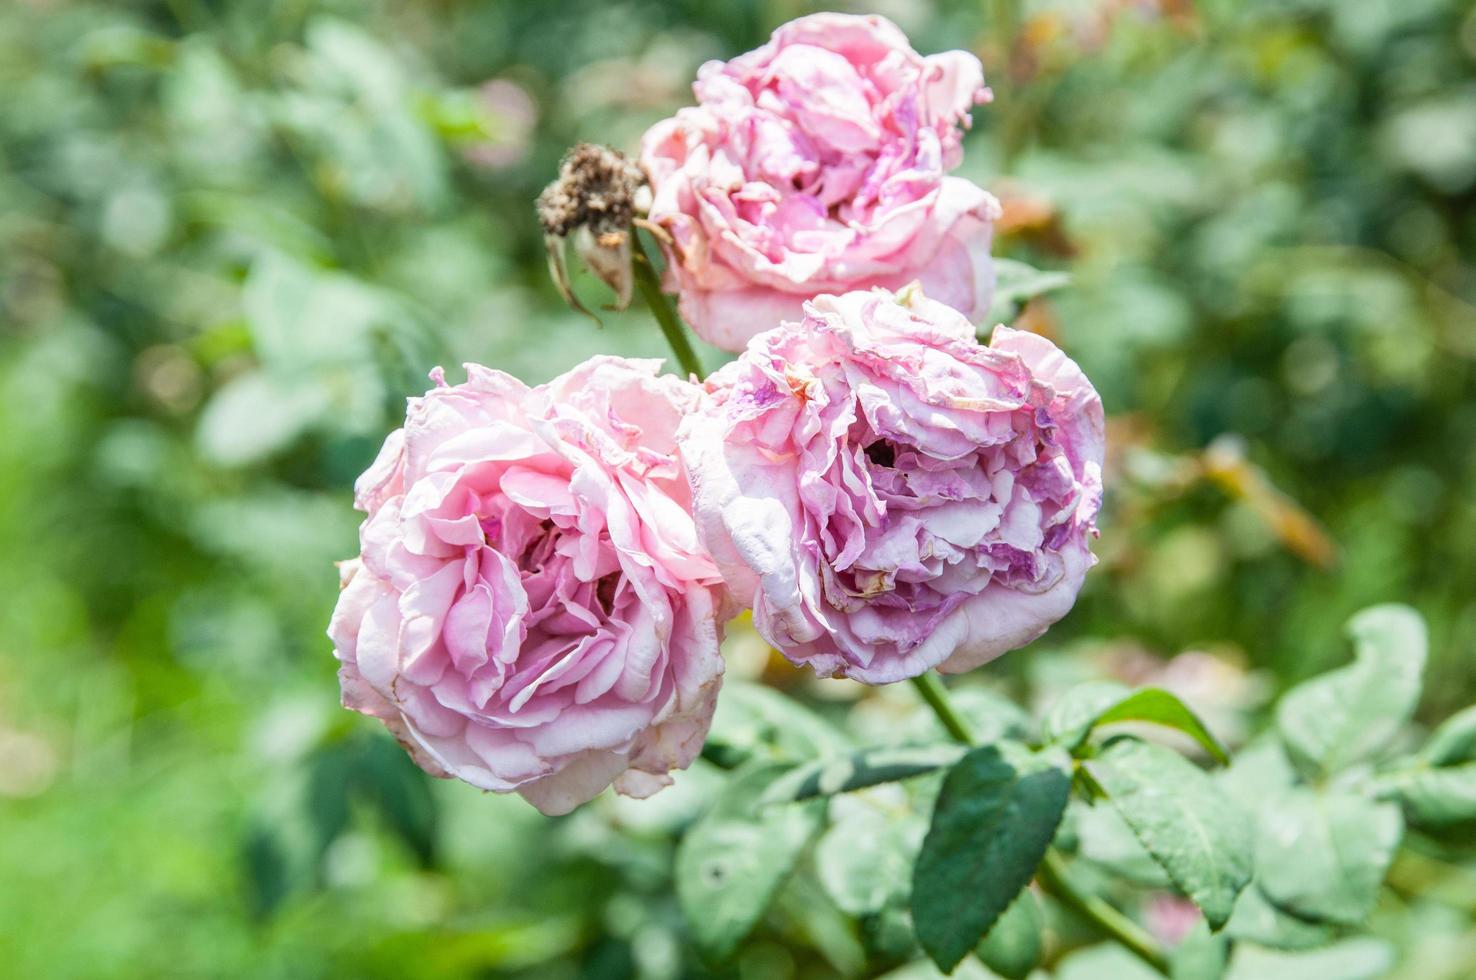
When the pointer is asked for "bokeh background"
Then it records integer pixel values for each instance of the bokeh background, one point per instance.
(235, 234)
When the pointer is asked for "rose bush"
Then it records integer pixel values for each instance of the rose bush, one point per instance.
(892, 495)
(817, 164)
(531, 610)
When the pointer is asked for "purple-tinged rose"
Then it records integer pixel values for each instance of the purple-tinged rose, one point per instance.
(890, 494)
(817, 164)
(531, 610)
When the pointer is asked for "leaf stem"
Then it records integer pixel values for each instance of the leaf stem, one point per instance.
(930, 686)
(1052, 871)
(660, 306)
(1052, 877)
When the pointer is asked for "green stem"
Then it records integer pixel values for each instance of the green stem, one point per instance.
(660, 305)
(1052, 877)
(930, 686)
(1052, 871)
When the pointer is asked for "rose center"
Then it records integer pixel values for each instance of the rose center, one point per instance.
(882, 453)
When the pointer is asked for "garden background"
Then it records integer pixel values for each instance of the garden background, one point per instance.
(235, 234)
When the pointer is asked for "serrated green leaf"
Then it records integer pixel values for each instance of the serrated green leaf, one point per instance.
(1256, 920)
(753, 721)
(1104, 839)
(868, 767)
(1069, 720)
(1454, 741)
(1200, 955)
(993, 821)
(1155, 705)
(1259, 771)
(1016, 282)
(1088, 706)
(1437, 787)
(1434, 797)
(1323, 855)
(811, 920)
(730, 864)
(1350, 714)
(1012, 946)
(864, 859)
(1104, 961)
(1192, 829)
(1360, 958)
(990, 715)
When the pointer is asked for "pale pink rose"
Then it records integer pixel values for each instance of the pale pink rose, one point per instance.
(890, 494)
(531, 610)
(817, 164)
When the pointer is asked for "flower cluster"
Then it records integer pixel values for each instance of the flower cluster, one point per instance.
(544, 573)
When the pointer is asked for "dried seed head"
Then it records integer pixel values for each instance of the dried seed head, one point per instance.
(598, 189)
(594, 201)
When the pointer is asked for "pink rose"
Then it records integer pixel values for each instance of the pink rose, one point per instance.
(816, 165)
(531, 610)
(891, 494)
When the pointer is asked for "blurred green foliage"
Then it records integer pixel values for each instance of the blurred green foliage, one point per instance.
(235, 234)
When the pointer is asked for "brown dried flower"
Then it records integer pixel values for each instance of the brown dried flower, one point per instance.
(594, 200)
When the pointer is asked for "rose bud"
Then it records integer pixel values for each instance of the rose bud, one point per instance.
(890, 494)
(531, 610)
(817, 164)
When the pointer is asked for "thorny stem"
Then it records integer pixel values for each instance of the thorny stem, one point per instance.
(1052, 871)
(660, 305)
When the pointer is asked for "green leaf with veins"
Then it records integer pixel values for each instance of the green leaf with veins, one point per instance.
(1322, 856)
(1433, 796)
(1256, 920)
(1159, 707)
(1454, 741)
(868, 767)
(864, 860)
(994, 818)
(1105, 840)
(1017, 282)
(731, 863)
(1351, 714)
(1200, 955)
(1012, 947)
(1355, 958)
(1194, 831)
(1437, 786)
(753, 721)
(1069, 720)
